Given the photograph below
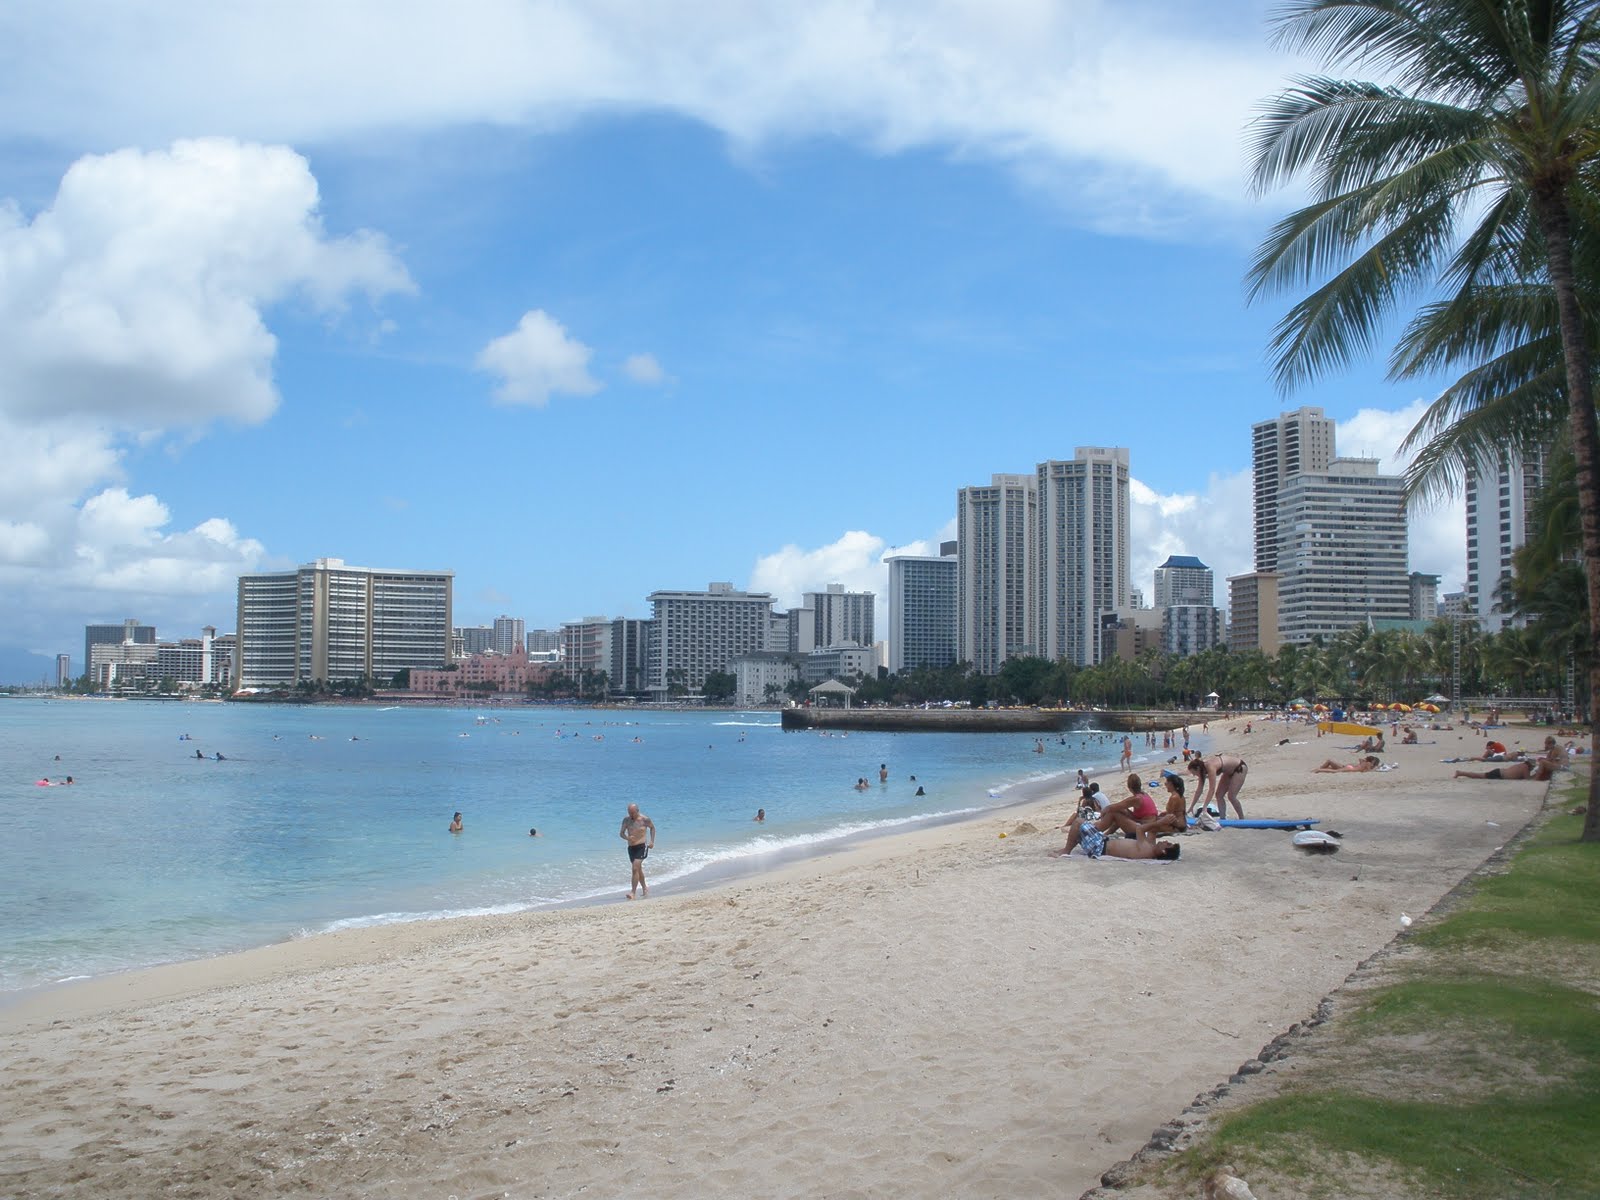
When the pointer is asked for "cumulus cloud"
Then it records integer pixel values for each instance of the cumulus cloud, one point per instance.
(644, 369)
(136, 297)
(1094, 99)
(132, 307)
(856, 560)
(1214, 526)
(536, 360)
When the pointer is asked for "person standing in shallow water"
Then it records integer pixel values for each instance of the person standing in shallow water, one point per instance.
(635, 828)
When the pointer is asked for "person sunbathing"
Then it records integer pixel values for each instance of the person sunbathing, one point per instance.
(1094, 837)
(1538, 771)
(1369, 763)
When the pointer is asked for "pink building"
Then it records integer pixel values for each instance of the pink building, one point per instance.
(483, 674)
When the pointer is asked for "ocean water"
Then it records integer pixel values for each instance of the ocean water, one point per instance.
(323, 817)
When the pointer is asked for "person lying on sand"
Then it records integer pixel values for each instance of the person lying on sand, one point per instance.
(1538, 771)
(1096, 844)
(1329, 767)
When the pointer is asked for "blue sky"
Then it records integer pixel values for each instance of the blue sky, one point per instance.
(584, 300)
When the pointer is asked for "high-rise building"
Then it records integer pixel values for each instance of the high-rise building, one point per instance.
(1424, 596)
(1082, 563)
(1253, 612)
(467, 640)
(1189, 628)
(509, 634)
(1301, 441)
(1184, 579)
(114, 635)
(841, 617)
(996, 535)
(1342, 548)
(1500, 497)
(63, 670)
(327, 621)
(923, 594)
(544, 641)
(586, 648)
(695, 633)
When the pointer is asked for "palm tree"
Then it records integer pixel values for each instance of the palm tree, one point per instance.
(1477, 167)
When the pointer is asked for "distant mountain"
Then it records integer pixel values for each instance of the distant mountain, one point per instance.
(19, 666)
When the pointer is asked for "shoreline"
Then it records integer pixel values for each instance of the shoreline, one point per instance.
(937, 1012)
(140, 984)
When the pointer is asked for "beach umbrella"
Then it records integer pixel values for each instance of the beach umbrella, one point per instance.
(1401, 707)
(1379, 707)
(1319, 708)
(1431, 708)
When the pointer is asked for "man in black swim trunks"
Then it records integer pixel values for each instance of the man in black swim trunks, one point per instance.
(635, 827)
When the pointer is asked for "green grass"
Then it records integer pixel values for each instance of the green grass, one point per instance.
(1498, 1055)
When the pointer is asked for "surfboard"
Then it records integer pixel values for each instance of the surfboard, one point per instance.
(1319, 843)
(1348, 727)
(1263, 823)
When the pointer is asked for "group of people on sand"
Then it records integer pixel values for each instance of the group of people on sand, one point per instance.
(1142, 823)
(1097, 822)
(1520, 765)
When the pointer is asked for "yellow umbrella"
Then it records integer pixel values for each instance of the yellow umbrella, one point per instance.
(1401, 707)
(1377, 707)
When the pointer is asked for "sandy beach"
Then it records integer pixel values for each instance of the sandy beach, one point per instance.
(949, 1012)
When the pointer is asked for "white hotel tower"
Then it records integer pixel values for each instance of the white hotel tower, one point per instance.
(996, 532)
(1083, 560)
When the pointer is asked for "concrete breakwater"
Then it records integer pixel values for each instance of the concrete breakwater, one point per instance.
(988, 720)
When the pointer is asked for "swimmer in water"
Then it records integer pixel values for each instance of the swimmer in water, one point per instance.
(455, 823)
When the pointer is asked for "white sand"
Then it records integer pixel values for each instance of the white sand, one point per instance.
(945, 1013)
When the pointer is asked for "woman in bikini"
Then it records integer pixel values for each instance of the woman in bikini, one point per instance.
(1221, 776)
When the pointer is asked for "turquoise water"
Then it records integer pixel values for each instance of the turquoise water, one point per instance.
(325, 817)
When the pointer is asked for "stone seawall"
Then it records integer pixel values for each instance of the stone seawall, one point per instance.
(986, 720)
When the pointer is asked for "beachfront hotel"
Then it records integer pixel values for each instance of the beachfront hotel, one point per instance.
(1183, 579)
(839, 617)
(1500, 499)
(328, 621)
(1291, 443)
(692, 634)
(1253, 612)
(923, 594)
(114, 635)
(1083, 557)
(996, 531)
(1342, 550)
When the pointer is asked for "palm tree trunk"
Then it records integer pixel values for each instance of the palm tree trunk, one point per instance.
(1550, 205)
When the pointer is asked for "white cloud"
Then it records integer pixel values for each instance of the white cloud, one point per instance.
(855, 560)
(1128, 111)
(644, 369)
(132, 310)
(536, 360)
(136, 297)
(1214, 525)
